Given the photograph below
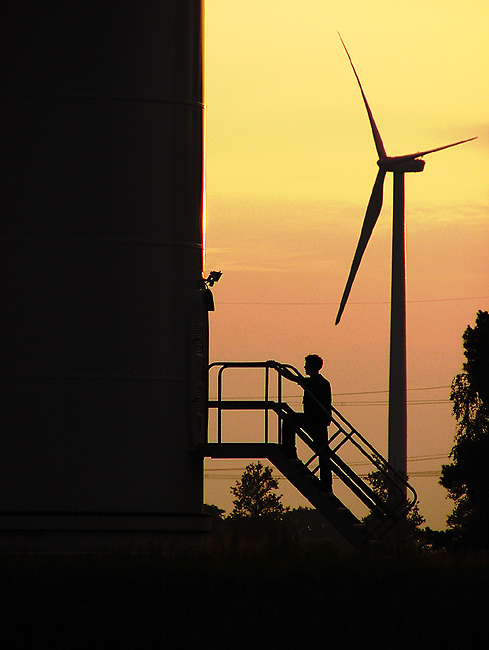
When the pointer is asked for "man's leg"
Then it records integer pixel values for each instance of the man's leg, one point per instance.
(288, 436)
(325, 477)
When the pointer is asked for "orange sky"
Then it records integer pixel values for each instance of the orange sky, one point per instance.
(290, 167)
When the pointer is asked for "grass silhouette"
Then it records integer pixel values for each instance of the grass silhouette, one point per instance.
(266, 599)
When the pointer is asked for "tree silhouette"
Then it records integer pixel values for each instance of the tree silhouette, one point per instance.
(466, 477)
(256, 495)
(406, 531)
(216, 515)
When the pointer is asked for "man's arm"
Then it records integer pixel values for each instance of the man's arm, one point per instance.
(285, 372)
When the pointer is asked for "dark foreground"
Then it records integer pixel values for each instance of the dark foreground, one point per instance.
(269, 600)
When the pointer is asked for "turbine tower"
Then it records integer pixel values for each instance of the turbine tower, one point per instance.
(399, 165)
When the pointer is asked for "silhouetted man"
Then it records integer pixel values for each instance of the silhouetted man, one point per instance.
(315, 417)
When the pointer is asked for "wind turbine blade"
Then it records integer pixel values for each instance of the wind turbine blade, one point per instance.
(379, 145)
(371, 216)
(412, 156)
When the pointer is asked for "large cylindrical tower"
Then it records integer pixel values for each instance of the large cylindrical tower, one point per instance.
(101, 248)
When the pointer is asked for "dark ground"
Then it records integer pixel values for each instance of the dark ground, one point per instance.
(226, 600)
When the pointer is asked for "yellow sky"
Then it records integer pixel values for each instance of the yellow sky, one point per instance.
(290, 167)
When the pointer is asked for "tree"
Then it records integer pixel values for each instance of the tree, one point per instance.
(216, 515)
(405, 532)
(476, 344)
(306, 525)
(256, 496)
(466, 477)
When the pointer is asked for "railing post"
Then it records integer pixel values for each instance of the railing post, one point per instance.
(279, 398)
(266, 402)
(219, 402)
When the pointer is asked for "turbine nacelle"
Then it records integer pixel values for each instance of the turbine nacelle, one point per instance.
(402, 165)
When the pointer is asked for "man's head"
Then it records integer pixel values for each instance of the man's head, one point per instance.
(313, 364)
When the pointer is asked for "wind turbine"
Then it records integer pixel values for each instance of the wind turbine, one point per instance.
(399, 165)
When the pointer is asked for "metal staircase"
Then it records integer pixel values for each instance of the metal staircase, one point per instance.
(347, 449)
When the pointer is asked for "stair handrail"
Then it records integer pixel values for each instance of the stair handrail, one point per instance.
(396, 480)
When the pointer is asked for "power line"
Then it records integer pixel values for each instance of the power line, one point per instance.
(216, 473)
(363, 392)
(411, 459)
(373, 302)
(372, 392)
(385, 402)
(295, 399)
(235, 477)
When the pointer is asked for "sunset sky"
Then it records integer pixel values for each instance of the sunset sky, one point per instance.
(290, 167)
